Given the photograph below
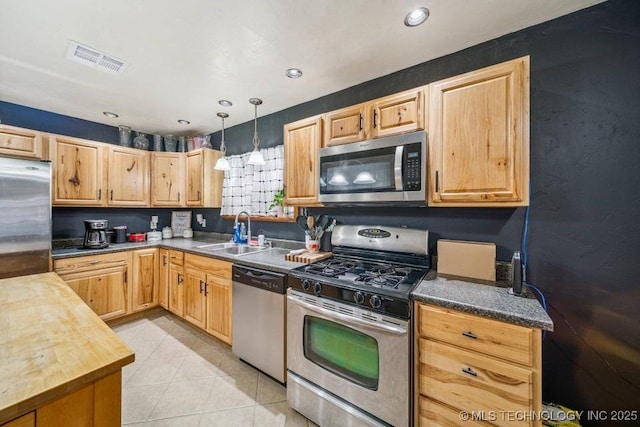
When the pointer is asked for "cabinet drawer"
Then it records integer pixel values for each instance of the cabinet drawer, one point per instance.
(474, 382)
(210, 265)
(176, 257)
(499, 339)
(436, 414)
(89, 263)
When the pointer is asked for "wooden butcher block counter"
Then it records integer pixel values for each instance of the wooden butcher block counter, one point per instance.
(59, 363)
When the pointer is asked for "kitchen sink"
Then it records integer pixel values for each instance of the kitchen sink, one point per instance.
(230, 248)
(239, 250)
(216, 246)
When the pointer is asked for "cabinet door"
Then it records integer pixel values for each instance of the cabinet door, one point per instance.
(399, 113)
(163, 279)
(78, 172)
(195, 303)
(167, 179)
(194, 178)
(128, 177)
(18, 142)
(176, 289)
(28, 420)
(218, 294)
(105, 291)
(301, 145)
(345, 125)
(479, 137)
(145, 279)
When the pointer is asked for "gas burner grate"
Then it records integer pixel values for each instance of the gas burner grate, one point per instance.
(380, 280)
(330, 268)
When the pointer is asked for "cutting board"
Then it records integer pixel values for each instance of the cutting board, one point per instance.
(308, 257)
(476, 260)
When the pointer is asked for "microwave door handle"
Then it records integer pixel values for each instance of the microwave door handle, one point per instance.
(397, 167)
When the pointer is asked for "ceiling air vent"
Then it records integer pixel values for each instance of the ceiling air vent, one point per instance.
(94, 58)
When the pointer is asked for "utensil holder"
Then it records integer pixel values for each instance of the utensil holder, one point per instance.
(325, 242)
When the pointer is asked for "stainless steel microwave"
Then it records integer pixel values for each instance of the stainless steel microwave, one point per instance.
(385, 171)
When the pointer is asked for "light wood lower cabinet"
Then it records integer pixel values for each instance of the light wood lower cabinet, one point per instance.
(219, 307)
(163, 279)
(145, 280)
(195, 301)
(100, 280)
(176, 283)
(97, 405)
(485, 367)
(28, 420)
(208, 295)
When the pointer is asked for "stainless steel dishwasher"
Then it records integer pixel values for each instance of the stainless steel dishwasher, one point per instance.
(259, 320)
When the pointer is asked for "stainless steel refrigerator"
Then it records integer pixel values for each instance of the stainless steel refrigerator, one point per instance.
(25, 217)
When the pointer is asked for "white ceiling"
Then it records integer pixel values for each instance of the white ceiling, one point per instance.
(186, 55)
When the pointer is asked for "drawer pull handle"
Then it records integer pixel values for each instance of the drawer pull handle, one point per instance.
(470, 334)
(469, 371)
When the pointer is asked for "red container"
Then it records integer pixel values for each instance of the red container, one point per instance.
(136, 237)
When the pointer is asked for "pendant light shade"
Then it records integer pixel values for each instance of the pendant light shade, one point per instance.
(223, 164)
(256, 156)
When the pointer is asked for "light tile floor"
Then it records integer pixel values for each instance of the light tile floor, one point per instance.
(183, 377)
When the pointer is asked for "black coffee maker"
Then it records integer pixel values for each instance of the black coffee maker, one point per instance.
(95, 233)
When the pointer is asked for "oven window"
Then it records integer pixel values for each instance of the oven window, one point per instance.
(344, 351)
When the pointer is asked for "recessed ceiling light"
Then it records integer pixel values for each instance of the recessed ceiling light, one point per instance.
(110, 114)
(293, 73)
(416, 17)
(184, 122)
(225, 103)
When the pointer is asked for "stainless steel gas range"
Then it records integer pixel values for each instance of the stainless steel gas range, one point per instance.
(348, 333)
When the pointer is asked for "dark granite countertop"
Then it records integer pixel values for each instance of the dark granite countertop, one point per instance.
(483, 300)
(270, 259)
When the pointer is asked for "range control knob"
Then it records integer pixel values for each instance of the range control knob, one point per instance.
(375, 301)
(317, 288)
(358, 297)
(306, 285)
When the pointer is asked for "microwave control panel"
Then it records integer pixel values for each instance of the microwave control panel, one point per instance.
(412, 170)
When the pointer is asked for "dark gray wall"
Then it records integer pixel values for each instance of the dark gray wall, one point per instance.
(585, 206)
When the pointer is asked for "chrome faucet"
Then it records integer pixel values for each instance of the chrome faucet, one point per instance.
(235, 224)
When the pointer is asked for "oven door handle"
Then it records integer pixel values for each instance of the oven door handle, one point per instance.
(348, 319)
(397, 167)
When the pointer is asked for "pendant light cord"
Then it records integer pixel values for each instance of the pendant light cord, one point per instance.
(256, 140)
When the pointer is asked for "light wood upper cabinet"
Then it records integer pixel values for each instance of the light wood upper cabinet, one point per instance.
(79, 172)
(346, 125)
(204, 183)
(479, 137)
(167, 179)
(399, 113)
(302, 141)
(24, 143)
(391, 115)
(128, 177)
(145, 280)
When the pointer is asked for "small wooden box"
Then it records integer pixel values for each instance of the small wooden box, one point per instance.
(476, 260)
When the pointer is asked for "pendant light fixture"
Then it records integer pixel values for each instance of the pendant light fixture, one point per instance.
(223, 164)
(256, 156)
